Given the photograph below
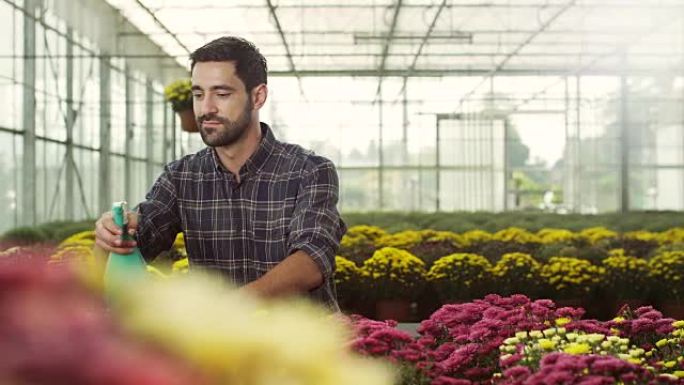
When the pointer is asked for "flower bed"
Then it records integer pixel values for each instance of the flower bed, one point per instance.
(583, 268)
(494, 340)
(596, 267)
(513, 340)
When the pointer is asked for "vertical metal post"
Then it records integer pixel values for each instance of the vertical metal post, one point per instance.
(104, 186)
(404, 145)
(578, 146)
(506, 171)
(624, 142)
(437, 164)
(130, 99)
(149, 131)
(465, 197)
(166, 133)
(28, 191)
(381, 164)
(567, 181)
(462, 203)
(681, 104)
(70, 121)
(492, 169)
(174, 134)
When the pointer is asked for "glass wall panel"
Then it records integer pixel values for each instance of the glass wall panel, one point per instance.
(9, 190)
(358, 190)
(49, 182)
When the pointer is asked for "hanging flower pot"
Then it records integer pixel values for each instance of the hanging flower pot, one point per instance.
(179, 94)
(188, 122)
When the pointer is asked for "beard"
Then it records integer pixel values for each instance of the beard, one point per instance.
(232, 131)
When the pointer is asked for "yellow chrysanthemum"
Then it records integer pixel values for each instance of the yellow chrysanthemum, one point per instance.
(517, 235)
(577, 348)
(84, 238)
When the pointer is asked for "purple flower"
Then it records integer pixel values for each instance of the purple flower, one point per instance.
(459, 358)
(459, 344)
(443, 351)
(478, 372)
(607, 364)
(652, 314)
(408, 354)
(443, 380)
(512, 360)
(642, 325)
(517, 372)
(664, 326)
(643, 310)
(588, 326)
(554, 376)
(570, 312)
(596, 380)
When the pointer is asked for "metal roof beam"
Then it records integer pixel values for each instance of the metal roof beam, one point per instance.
(611, 71)
(522, 45)
(162, 25)
(412, 67)
(386, 46)
(426, 37)
(272, 10)
(582, 70)
(406, 35)
(638, 4)
(584, 54)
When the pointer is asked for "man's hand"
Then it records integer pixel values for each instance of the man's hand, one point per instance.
(108, 234)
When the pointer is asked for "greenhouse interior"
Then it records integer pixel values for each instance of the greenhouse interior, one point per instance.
(444, 192)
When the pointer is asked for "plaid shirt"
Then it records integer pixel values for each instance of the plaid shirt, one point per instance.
(285, 202)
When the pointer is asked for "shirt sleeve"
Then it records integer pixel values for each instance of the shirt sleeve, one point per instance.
(316, 227)
(158, 219)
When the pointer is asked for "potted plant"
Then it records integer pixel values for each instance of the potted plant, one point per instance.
(358, 244)
(178, 93)
(347, 279)
(625, 279)
(667, 275)
(517, 273)
(571, 280)
(395, 278)
(460, 277)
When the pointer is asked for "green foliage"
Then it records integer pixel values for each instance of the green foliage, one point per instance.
(25, 235)
(47, 232)
(460, 222)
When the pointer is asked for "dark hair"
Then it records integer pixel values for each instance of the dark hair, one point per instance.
(250, 64)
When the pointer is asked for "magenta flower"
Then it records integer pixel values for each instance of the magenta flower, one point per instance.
(459, 344)
(443, 380)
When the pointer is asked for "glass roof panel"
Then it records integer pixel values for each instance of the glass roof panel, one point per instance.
(335, 36)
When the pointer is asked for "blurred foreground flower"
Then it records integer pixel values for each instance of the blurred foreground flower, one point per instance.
(56, 329)
(235, 339)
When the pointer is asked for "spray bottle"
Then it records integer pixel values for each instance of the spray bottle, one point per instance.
(123, 269)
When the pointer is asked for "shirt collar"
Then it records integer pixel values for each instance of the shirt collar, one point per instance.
(258, 159)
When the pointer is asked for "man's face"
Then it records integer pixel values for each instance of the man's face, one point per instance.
(223, 108)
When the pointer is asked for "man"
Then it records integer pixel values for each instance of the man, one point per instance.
(258, 211)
